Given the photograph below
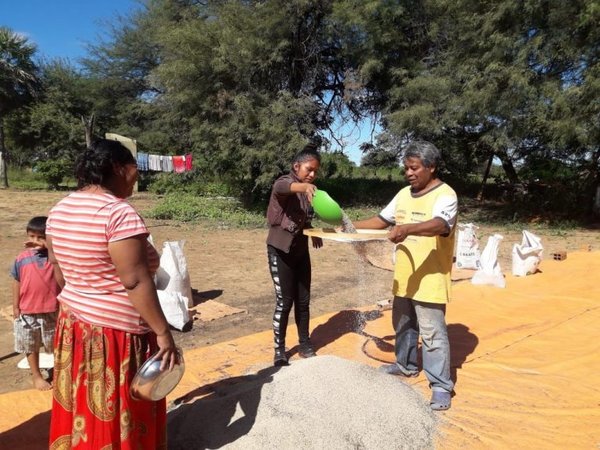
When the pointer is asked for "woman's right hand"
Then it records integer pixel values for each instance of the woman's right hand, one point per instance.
(167, 352)
(310, 190)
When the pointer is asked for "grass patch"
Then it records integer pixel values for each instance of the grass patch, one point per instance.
(227, 212)
(224, 212)
(26, 180)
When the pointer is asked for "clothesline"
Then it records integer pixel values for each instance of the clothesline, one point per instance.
(164, 163)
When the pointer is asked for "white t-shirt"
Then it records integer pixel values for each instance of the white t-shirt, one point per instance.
(446, 207)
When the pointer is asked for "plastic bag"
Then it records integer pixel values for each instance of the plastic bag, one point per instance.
(467, 247)
(175, 308)
(526, 257)
(490, 271)
(173, 275)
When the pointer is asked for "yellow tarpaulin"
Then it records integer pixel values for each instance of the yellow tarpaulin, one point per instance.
(526, 360)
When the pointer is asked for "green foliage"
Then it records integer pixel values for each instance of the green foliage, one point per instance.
(220, 212)
(18, 83)
(547, 170)
(17, 70)
(54, 124)
(380, 158)
(336, 164)
(249, 82)
(26, 179)
(244, 85)
(53, 171)
(360, 191)
(193, 182)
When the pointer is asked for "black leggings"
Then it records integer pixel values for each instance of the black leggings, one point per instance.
(291, 277)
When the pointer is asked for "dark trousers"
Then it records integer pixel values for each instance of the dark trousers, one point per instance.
(291, 274)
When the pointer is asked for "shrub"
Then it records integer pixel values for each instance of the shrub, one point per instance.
(193, 182)
(360, 191)
(22, 178)
(53, 171)
(220, 211)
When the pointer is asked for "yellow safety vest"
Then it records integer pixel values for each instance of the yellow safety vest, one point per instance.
(423, 264)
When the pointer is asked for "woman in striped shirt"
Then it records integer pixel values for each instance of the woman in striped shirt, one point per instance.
(110, 320)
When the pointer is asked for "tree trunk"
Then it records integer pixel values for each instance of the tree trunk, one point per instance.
(486, 174)
(88, 125)
(596, 177)
(508, 167)
(3, 157)
(596, 204)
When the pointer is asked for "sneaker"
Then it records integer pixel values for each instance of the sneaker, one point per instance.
(280, 358)
(306, 350)
(440, 400)
(396, 369)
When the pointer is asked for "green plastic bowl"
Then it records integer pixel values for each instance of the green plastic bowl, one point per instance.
(327, 208)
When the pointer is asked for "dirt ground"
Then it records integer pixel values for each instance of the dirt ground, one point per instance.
(230, 266)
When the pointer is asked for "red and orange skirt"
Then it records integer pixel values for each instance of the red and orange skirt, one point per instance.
(92, 407)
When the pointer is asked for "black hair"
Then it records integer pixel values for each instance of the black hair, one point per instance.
(310, 151)
(96, 164)
(37, 225)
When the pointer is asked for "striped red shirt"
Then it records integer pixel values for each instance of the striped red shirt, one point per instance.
(81, 226)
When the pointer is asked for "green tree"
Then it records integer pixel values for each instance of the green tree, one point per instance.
(128, 97)
(17, 83)
(249, 79)
(336, 164)
(522, 72)
(482, 79)
(55, 121)
(244, 84)
(50, 128)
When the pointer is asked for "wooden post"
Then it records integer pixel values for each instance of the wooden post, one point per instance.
(130, 144)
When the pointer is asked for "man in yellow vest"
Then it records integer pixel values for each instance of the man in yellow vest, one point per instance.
(423, 217)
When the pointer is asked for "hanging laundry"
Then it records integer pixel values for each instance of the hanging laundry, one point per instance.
(179, 164)
(142, 161)
(188, 161)
(166, 162)
(154, 163)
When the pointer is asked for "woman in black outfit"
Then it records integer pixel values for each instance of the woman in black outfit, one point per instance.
(289, 213)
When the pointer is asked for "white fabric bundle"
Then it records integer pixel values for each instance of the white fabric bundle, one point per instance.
(490, 271)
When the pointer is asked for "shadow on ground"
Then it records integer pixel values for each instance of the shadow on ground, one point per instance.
(225, 412)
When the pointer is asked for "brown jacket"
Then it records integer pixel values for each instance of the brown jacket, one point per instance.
(288, 214)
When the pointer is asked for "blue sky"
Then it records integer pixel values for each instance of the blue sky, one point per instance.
(62, 28)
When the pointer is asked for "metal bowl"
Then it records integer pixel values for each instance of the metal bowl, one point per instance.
(151, 383)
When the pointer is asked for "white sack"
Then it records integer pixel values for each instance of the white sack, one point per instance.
(467, 247)
(174, 306)
(527, 256)
(173, 275)
(490, 271)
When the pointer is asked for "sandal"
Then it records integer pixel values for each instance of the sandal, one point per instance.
(396, 369)
(440, 400)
